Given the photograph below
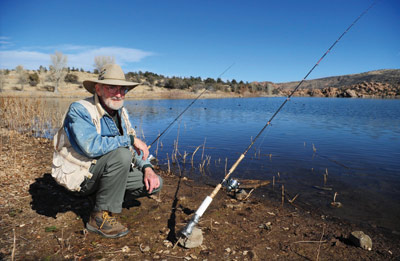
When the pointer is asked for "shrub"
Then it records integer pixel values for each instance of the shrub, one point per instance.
(72, 78)
(33, 79)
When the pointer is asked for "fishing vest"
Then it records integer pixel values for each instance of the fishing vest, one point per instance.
(70, 168)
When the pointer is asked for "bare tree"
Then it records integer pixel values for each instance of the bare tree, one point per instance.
(2, 79)
(22, 76)
(100, 61)
(42, 75)
(58, 69)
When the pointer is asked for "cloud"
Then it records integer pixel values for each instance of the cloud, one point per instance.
(28, 59)
(78, 56)
(5, 42)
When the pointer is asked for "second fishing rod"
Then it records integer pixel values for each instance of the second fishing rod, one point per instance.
(187, 230)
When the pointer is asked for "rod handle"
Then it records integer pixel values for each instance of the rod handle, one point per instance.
(215, 191)
(234, 166)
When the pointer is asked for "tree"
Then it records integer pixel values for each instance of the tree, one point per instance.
(2, 79)
(42, 69)
(72, 78)
(22, 76)
(100, 61)
(33, 79)
(58, 68)
(269, 89)
(42, 74)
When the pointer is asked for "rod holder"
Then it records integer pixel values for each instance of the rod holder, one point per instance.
(187, 230)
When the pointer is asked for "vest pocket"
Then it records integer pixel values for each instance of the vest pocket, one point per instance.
(67, 173)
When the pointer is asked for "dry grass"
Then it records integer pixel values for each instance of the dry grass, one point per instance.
(29, 116)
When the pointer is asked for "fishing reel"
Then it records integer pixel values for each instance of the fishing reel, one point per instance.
(231, 184)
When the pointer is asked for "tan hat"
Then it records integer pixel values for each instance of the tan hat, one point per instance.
(110, 74)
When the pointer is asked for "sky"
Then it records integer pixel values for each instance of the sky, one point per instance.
(277, 40)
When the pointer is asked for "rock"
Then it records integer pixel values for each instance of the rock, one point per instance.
(267, 226)
(241, 194)
(336, 204)
(126, 249)
(351, 93)
(194, 240)
(235, 206)
(358, 238)
(144, 249)
(167, 243)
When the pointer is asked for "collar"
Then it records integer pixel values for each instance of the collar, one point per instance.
(99, 108)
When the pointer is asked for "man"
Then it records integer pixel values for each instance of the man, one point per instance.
(97, 152)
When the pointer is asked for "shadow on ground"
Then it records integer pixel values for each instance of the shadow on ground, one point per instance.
(49, 199)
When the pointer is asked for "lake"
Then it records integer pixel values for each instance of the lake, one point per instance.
(353, 143)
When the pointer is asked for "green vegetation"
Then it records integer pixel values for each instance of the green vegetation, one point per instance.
(33, 79)
(71, 78)
(195, 84)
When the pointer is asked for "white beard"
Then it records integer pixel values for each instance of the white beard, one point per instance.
(114, 103)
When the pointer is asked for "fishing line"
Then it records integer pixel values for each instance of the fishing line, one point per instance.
(187, 230)
(159, 135)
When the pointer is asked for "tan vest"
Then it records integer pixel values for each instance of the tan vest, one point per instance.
(70, 168)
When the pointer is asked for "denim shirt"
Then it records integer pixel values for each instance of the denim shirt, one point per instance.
(85, 140)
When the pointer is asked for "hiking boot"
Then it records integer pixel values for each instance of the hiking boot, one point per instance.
(106, 225)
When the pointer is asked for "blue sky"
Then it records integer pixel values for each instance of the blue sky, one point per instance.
(275, 41)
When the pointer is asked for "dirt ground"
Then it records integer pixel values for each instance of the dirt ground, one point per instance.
(39, 220)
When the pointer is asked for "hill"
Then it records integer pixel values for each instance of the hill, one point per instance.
(378, 84)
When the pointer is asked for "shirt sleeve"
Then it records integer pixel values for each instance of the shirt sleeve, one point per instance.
(140, 163)
(82, 134)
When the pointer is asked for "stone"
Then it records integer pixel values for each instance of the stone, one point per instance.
(241, 194)
(359, 239)
(194, 240)
(351, 93)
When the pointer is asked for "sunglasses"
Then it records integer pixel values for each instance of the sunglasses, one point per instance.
(113, 89)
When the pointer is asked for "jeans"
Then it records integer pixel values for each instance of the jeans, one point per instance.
(113, 177)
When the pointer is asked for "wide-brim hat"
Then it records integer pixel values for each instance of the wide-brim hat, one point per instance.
(110, 74)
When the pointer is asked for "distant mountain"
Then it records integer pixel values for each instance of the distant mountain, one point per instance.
(382, 83)
(389, 76)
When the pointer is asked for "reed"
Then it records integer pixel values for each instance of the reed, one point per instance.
(204, 146)
(194, 154)
(226, 165)
(33, 116)
(314, 148)
(325, 177)
(157, 145)
(208, 159)
(169, 167)
(184, 156)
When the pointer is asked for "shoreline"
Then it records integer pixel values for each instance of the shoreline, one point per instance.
(143, 92)
(39, 212)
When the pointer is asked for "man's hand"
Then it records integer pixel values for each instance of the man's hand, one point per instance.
(151, 180)
(141, 146)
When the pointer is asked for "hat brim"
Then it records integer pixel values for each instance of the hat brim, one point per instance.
(90, 84)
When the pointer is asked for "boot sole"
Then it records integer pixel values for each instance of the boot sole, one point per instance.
(98, 231)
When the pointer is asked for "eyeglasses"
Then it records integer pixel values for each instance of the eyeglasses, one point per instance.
(113, 89)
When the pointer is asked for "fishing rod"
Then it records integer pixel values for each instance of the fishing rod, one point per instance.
(159, 135)
(187, 230)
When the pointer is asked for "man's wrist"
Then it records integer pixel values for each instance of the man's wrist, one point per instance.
(147, 166)
(132, 138)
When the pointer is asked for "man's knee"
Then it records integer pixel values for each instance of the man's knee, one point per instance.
(122, 156)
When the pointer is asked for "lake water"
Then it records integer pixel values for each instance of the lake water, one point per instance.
(355, 141)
